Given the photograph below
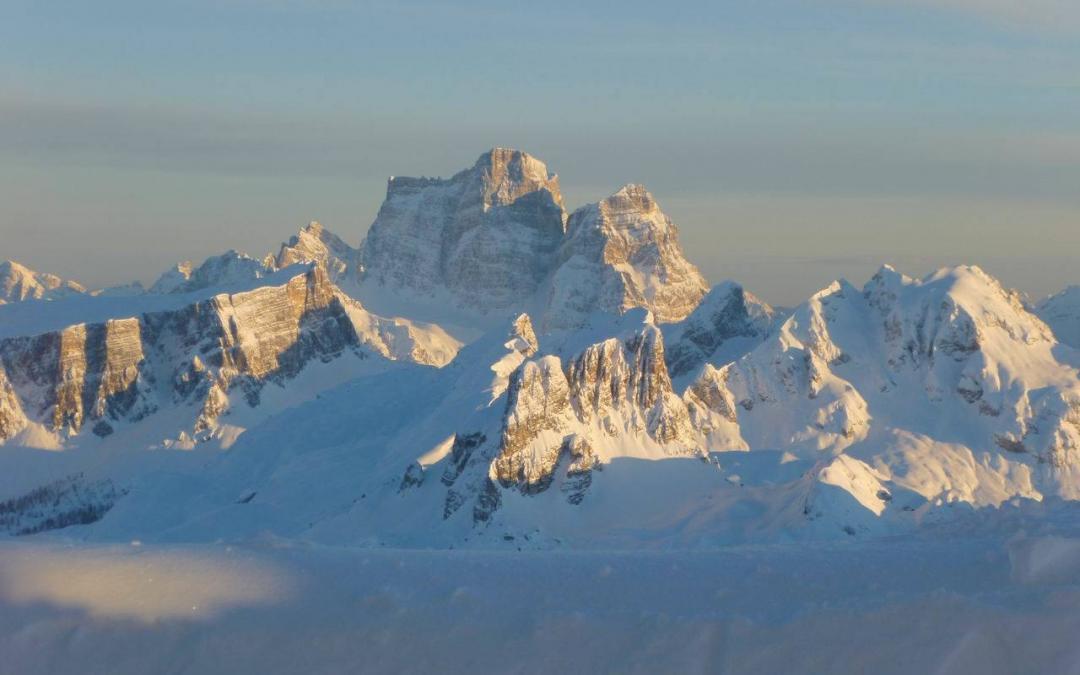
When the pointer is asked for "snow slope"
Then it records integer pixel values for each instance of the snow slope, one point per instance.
(1062, 313)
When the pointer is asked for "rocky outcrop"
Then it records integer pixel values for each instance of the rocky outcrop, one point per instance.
(12, 417)
(492, 239)
(728, 315)
(315, 244)
(955, 346)
(538, 418)
(19, 283)
(122, 370)
(486, 236)
(620, 253)
(81, 372)
(559, 414)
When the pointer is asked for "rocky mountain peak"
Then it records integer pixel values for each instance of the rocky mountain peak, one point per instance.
(561, 410)
(631, 198)
(495, 237)
(483, 239)
(619, 253)
(727, 323)
(316, 244)
(506, 174)
(230, 267)
(18, 283)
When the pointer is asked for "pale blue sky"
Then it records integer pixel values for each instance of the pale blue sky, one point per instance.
(794, 141)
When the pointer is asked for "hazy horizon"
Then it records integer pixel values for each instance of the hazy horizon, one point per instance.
(793, 143)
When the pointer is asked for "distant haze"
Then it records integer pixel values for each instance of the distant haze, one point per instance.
(793, 142)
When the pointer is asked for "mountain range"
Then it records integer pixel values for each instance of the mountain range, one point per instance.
(488, 369)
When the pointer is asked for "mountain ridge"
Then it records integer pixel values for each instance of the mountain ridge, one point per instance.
(605, 396)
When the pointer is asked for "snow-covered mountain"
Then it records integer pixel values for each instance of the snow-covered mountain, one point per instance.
(728, 323)
(229, 268)
(494, 240)
(864, 411)
(316, 244)
(1062, 313)
(312, 244)
(180, 369)
(484, 238)
(620, 253)
(18, 283)
(606, 396)
(913, 393)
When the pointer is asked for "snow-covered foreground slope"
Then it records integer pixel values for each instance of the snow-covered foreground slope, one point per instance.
(978, 599)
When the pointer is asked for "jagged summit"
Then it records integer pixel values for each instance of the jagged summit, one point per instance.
(728, 323)
(485, 237)
(19, 283)
(197, 357)
(507, 174)
(314, 243)
(230, 267)
(619, 253)
(607, 388)
(495, 238)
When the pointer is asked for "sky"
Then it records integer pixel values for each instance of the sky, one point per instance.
(792, 141)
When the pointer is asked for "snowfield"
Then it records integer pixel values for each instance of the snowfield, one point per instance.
(987, 602)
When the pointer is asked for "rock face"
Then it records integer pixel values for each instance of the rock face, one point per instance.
(19, 283)
(315, 244)
(12, 417)
(726, 324)
(620, 253)
(552, 423)
(903, 394)
(121, 371)
(492, 239)
(614, 392)
(1062, 313)
(895, 363)
(486, 236)
(312, 244)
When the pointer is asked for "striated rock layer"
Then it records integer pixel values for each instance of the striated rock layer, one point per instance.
(122, 370)
(486, 236)
(620, 253)
(315, 244)
(494, 239)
